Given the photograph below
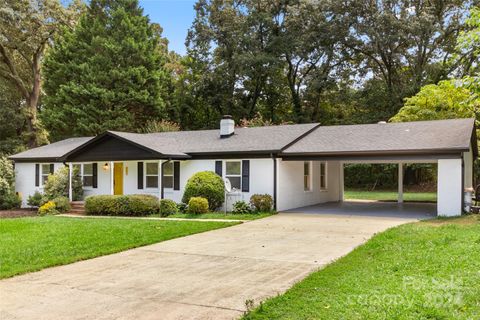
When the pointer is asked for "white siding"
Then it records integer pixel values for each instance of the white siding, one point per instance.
(449, 189)
(25, 179)
(291, 193)
(261, 179)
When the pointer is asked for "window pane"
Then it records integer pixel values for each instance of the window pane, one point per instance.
(168, 169)
(322, 182)
(306, 183)
(45, 168)
(76, 167)
(88, 169)
(322, 169)
(44, 179)
(236, 182)
(233, 167)
(168, 182)
(87, 181)
(306, 168)
(152, 168)
(152, 181)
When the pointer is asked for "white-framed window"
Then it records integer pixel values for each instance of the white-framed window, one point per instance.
(151, 174)
(323, 176)
(233, 172)
(168, 175)
(87, 174)
(44, 172)
(307, 176)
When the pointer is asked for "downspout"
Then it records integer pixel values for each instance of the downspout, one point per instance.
(161, 178)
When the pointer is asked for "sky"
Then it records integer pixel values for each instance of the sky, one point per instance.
(175, 17)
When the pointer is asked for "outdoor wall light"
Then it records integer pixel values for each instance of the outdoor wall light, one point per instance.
(105, 166)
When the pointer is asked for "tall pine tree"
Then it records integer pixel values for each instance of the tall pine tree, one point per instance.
(106, 74)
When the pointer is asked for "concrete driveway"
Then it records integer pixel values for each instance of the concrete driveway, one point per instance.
(204, 276)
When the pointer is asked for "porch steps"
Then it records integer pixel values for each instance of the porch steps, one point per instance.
(78, 208)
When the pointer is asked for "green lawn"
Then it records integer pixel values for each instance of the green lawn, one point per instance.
(219, 215)
(30, 244)
(425, 270)
(390, 195)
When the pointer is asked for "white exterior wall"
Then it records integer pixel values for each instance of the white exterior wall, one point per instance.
(261, 179)
(449, 188)
(291, 193)
(25, 179)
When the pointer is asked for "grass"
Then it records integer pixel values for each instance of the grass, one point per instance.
(390, 195)
(31, 244)
(424, 270)
(219, 215)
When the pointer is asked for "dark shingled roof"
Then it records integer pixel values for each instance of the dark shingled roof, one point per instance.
(51, 151)
(418, 136)
(287, 140)
(256, 139)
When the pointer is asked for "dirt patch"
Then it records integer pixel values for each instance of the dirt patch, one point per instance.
(17, 213)
(463, 220)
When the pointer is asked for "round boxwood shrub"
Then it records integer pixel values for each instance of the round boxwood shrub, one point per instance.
(261, 202)
(197, 205)
(206, 184)
(167, 207)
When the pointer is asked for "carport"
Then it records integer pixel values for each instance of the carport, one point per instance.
(451, 144)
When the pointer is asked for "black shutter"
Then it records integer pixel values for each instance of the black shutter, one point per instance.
(218, 168)
(245, 175)
(37, 174)
(52, 169)
(95, 175)
(140, 175)
(176, 175)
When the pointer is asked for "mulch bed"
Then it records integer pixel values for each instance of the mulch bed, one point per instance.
(17, 213)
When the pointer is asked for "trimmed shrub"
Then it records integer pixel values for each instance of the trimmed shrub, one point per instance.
(241, 207)
(261, 202)
(8, 198)
(58, 183)
(47, 208)
(197, 205)
(126, 205)
(62, 204)
(35, 200)
(205, 184)
(167, 207)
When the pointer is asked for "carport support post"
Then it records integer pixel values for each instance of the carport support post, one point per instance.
(70, 173)
(341, 176)
(400, 182)
(111, 178)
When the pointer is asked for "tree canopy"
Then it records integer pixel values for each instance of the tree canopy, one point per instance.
(107, 73)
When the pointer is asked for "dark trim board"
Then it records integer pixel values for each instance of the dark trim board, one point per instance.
(374, 157)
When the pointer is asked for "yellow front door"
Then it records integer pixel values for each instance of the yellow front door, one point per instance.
(118, 178)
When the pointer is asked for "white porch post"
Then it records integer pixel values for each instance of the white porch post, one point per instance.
(70, 191)
(400, 182)
(160, 179)
(449, 188)
(111, 178)
(341, 177)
